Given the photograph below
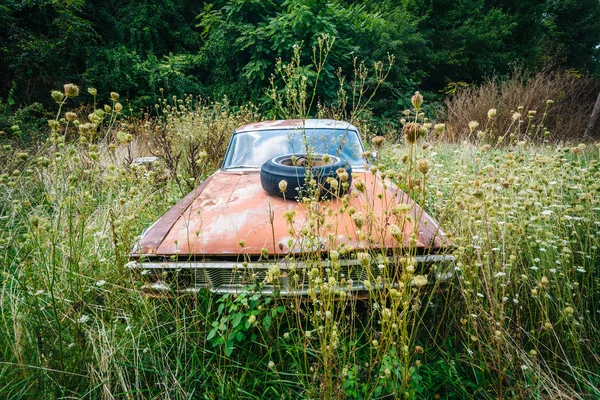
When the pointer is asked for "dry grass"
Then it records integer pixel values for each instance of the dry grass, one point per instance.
(573, 96)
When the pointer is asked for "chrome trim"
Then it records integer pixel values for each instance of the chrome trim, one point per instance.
(215, 275)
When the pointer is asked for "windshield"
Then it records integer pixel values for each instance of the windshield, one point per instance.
(251, 149)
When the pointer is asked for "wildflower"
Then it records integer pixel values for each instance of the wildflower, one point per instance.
(92, 91)
(271, 365)
(500, 274)
(118, 107)
(363, 258)
(439, 127)
(419, 350)
(549, 102)
(71, 90)
(83, 319)
(417, 100)
(101, 283)
(252, 319)
(419, 281)
(114, 96)
(491, 113)
(70, 116)
(473, 125)
(516, 116)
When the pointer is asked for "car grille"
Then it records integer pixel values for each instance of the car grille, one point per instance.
(230, 277)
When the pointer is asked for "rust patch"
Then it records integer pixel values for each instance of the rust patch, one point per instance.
(154, 237)
(232, 207)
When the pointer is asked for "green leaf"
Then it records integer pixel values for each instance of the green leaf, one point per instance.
(237, 319)
(211, 334)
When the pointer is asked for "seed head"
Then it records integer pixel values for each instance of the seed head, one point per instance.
(57, 96)
(549, 102)
(92, 91)
(377, 141)
(70, 116)
(71, 90)
(491, 113)
(439, 127)
(411, 132)
(54, 124)
(516, 116)
(114, 96)
(424, 165)
(473, 125)
(360, 185)
(342, 174)
(417, 100)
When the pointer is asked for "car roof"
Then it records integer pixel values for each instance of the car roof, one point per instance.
(297, 124)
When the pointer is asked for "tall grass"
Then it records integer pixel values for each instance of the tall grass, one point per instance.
(519, 321)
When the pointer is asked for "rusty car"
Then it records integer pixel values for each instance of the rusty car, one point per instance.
(250, 226)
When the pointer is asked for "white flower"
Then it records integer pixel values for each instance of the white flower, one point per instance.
(480, 295)
(83, 319)
(500, 274)
(101, 283)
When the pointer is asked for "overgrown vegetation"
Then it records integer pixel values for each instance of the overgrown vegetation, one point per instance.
(230, 47)
(520, 320)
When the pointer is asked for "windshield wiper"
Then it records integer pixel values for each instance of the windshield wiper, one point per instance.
(242, 166)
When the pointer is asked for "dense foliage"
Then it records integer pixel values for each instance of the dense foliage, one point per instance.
(229, 47)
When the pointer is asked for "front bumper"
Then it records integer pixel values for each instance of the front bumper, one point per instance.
(285, 278)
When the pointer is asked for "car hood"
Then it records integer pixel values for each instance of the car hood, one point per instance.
(230, 214)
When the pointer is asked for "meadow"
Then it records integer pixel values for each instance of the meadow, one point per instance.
(520, 319)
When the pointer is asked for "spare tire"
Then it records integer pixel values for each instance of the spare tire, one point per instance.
(294, 168)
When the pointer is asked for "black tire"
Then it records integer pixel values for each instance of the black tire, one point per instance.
(294, 168)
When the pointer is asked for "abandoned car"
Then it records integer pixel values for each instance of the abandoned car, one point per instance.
(293, 198)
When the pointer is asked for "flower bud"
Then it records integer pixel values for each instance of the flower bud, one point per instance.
(118, 107)
(492, 113)
(92, 91)
(114, 96)
(283, 185)
(417, 100)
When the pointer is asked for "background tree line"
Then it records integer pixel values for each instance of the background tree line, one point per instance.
(229, 47)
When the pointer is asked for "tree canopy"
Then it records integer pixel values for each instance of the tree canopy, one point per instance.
(230, 47)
